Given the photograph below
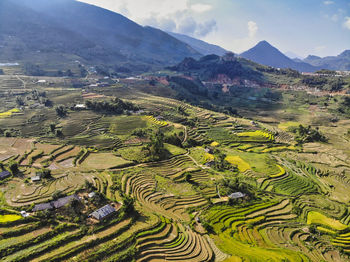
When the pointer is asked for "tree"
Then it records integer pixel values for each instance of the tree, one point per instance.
(7, 133)
(128, 205)
(139, 132)
(188, 177)
(19, 101)
(13, 166)
(69, 73)
(61, 111)
(45, 173)
(221, 163)
(52, 127)
(58, 133)
(156, 147)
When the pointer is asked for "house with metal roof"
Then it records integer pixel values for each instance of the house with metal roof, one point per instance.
(236, 195)
(64, 200)
(4, 174)
(103, 212)
(43, 206)
(35, 178)
(55, 204)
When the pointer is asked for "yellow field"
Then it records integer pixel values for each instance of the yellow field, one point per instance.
(239, 162)
(9, 218)
(9, 113)
(326, 230)
(209, 157)
(314, 217)
(214, 144)
(257, 133)
(281, 173)
(157, 122)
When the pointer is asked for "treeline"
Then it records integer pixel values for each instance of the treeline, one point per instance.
(324, 83)
(35, 70)
(280, 71)
(115, 106)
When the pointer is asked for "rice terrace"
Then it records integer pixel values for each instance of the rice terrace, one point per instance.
(121, 142)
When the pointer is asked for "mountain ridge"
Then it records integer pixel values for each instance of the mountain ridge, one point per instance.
(339, 62)
(201, 46)
(100, 35)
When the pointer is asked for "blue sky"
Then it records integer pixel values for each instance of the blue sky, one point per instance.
(318, 27)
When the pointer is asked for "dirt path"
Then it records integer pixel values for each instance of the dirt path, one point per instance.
(23, 82)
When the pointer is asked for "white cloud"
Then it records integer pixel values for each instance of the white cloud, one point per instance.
(328, 2)
(177, 16)
(347, 22)
(252, 28)
(201, 8)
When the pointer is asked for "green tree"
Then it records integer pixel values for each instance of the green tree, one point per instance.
(128, 205)
(61, 111)
(156, 147)
(19, 101)
(13, 166)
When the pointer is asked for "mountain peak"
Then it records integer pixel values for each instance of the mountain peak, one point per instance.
(264, 43)
(266, 54)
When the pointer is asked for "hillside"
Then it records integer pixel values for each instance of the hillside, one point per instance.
(264, 53)
(38, 30)
(339, 62)
(200, 46)
(212, 67)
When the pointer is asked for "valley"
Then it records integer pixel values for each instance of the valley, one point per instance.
(176, 200)
(130, 131)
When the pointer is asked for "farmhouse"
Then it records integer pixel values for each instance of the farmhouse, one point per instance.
(35, 178)
(91, 194)
(103, 212)
(55, 204)
(236, 195)
(80, 106)
(44, 206)
(64, 200)
(4, 175)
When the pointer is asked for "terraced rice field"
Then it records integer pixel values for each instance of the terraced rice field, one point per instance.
(289, 211)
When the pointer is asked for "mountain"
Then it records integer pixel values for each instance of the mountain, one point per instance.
(339, 62)
(68, 30)
(200, 46)
(266, 54)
